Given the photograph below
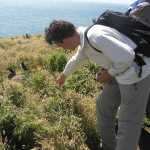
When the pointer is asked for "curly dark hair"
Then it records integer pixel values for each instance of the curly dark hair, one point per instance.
(58, 30)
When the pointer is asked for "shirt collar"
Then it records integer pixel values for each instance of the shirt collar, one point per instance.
(81, 31)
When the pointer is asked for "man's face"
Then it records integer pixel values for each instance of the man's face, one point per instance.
(68, 43)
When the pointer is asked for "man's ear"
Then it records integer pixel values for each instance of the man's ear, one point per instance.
(62, 41)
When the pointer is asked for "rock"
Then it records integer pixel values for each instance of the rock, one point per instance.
(23, 66)
(1, 97)
(18, 78)
(11, 73)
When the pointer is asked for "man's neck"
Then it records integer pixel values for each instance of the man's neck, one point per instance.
(77, 38)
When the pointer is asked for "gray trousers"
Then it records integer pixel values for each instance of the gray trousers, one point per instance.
(132, 100)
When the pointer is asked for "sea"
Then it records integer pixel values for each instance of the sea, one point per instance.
(18, 19)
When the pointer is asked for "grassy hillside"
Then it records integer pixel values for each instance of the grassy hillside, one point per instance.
(35, 112)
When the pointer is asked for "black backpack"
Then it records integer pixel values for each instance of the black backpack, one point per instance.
(141, 12)
(129, 26)
(132, 28)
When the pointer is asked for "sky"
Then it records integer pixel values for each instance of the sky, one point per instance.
(45, 1)
(108, 1)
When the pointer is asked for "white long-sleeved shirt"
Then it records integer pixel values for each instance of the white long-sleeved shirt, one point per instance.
(117, 54)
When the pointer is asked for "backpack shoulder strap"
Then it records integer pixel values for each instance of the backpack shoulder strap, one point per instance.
(141, 13)
(86, 37)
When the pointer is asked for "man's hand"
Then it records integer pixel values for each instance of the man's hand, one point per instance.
(61, 80)
(103, 76)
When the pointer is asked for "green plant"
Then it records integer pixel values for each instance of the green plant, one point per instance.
(7, 124)
(24, 136)
(61, 61)
(53, 90)
(50, 63)
(57, 107)
(92, 67)
(49, 115)
(147, 121)
(17, 132)
(55, 62)
(2, 146)
(16, 95)
(73, 137)
(81, 82)
(3, 46)
(85, 109)
(6, 43)
(52, 110)
(12, 66)
(1, 82)
(1, 77)
(37, 81)
(24, 60)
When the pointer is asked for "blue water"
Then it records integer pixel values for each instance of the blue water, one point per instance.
(20, 19)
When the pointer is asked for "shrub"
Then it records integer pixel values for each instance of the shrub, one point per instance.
(52, 110)
(2, 146)
(1, 77)
(37, 81)
(53, 90)
(58, 106)
(3, 46)
(67, 134)
(17, 133)
(147, 121)
(7, 124)
(1, 82)
(86, 110)
(81, 82)
(93, 68)
(16, 95)
(73, 137)
(61, 61)
(50, 63)
(12, 66)
(24, 136)
(6, 43)
(27, 61)
(55, 62)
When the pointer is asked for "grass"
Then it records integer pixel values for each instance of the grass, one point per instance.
(35, 112)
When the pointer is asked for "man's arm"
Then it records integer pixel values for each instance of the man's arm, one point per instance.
(73, 64)
(103, 76)
(119, 53)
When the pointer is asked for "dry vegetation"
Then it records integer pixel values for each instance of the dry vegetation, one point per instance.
(35, 112)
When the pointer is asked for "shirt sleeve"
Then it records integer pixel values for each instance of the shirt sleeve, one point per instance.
(134, 4)
(119, 53)
(75, 62)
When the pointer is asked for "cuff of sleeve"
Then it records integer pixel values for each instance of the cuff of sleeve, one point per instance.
(112, 72)
(66, 73)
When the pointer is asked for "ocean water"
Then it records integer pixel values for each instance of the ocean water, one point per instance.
(19, 19)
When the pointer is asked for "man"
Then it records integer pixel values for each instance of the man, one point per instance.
(135, 4)
(134, 7)
(117, 57)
